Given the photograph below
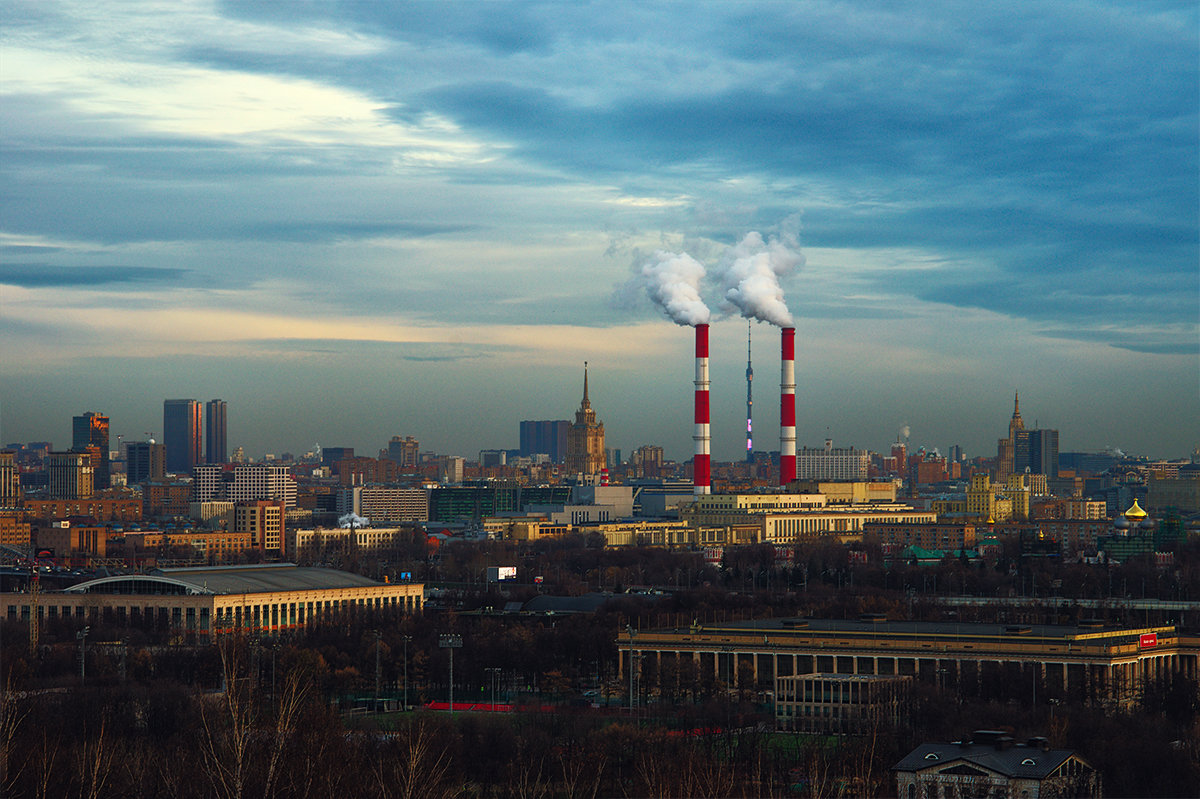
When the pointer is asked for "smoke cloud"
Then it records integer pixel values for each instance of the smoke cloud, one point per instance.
(353, 520)
(672, 281)
(905, 430)
(750, 274)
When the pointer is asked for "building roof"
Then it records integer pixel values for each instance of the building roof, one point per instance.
(588, 603)
(256, 579)
(870, 628)
(1015, 761)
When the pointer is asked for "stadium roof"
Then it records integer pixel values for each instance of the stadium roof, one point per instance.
(256, 579)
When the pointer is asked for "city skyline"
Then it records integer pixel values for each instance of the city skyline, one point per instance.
(361, 220)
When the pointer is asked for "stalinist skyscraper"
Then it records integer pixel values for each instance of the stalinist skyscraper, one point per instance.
(585, 437)
(1009, 451)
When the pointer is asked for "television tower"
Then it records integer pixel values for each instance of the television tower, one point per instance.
(749, 400)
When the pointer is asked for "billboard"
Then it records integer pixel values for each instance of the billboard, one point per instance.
(497, 573)
(1148, 640)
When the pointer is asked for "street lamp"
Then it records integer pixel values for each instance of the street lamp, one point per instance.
(494, 679)
(629, 629)
(82, 636)
(378, 637)
(407, 638)
(451, 642)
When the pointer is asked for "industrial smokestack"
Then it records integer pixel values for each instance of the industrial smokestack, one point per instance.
(749, 400)
(787, 409)
(700, 464)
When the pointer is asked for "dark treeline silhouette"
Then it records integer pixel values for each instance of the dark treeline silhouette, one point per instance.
(282, 716)
(165, 739)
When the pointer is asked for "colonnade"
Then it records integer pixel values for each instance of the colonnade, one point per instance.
(1120, 680)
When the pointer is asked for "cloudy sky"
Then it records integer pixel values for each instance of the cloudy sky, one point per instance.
(355, 220)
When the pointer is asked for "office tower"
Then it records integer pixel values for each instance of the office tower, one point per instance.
(144, 460)
(9, 482)
(91, 430)
(331, 455)
(404, 451)
(585, 438)
(1043, 452)
(545, 437)
(215, 450)
(181, 434)
(70, 475)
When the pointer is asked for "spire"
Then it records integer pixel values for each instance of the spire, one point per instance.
(586, 402)
(1017, 423)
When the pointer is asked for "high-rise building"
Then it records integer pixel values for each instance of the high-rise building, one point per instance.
(9, 481)
(646, 461)
(331, 455)
(832, 463)
(144, 460)
(1032, 450)
(585, 438)
(545, 437)
(263, 521)
(70, 475)
(246, 482)
(91, 430)
(181, 434)
(404, 451)
(215, 449)
(1043, 452)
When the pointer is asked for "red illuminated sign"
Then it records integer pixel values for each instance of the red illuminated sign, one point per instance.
(1148, 640)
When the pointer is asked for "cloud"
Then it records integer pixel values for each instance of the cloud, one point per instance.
(40, 275)
(369, 171)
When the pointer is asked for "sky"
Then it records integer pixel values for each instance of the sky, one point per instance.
(354, 220)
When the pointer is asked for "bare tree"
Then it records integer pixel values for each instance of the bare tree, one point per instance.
(415, 765)
(582, 772)
(295, 692)
(12, 714)
(94, 761)
(227, 728)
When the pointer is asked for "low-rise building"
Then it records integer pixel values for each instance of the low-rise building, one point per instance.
(15, 530)
(645, 534)
(366, 539)
(992, 764)
(102, 509)
(928, 535)
(199, 604)
(848, 492)
(1088, 660)
(840, 704)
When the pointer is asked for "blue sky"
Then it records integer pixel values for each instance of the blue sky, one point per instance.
(355, 220)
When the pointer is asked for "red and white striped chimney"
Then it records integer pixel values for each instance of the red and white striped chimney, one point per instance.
(787, 409)
(700, 464)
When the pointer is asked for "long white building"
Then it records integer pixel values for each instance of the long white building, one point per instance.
(383, 505)
(247, 482)
(829, 463)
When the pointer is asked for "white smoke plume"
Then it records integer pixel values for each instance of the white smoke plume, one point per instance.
(353, 520)
(905, 431)
(750, 274)
(672, 281)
